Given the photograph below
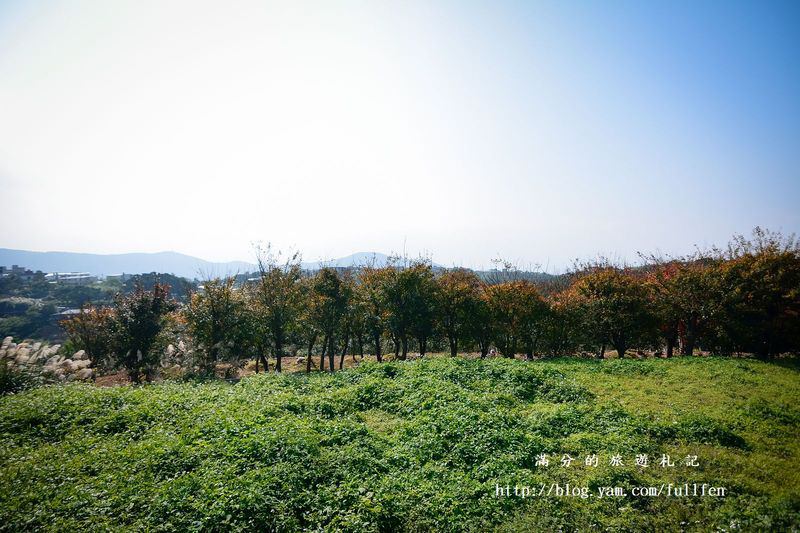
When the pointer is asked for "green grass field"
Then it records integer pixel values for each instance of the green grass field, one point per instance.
(414, 446)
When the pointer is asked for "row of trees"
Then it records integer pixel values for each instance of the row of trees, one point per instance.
(744, 299)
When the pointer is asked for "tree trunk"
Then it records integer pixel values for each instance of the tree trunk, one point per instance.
(670, 346)
(689, 337)
(687, 347)
(344, 352)
(310, 351)
(511, 348)
(423, 345)
(404, 342)
(324, 351)
(332, 355)
(483, 344)
(278, 355)
(764, 349)
(602, 353)
(378, 356)
(453, 345)
(618, 341)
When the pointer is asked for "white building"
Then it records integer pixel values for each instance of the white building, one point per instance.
(71, 278)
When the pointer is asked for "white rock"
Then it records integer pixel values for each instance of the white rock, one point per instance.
(80, 354)
(80, 365)
(67, 365)
(7, 342)
(23, 353)
(84, 374)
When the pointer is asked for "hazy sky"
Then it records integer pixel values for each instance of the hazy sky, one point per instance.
(535, 131)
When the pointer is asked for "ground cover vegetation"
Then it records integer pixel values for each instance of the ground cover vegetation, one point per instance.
(409, 446)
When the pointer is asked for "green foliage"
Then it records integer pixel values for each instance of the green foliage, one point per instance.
(759, 286)
(329, 303)
(15, 379)
(458, 295)
(409, 293)
(92, 330)
(277, 303)
(217, 321)
(518, 315)
(25, 319)
(137, 323)
(616, 308)
(180, 288)
(403, 446)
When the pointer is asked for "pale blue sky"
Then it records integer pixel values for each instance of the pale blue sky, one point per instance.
(535, 131)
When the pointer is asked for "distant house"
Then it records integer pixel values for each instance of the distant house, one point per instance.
(25, 274)
(71, 278)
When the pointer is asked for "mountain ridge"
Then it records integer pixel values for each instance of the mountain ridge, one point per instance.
(176, 263)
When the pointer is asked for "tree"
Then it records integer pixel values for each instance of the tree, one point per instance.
(760, 286)
(419, 281)
(91, 330)
(308, 333)
(562, 323)
(371, 295)
(279, 300)
(410, 298)
(398, 310)
(215, 319)
(535, 313)
(518, 313)
(357, 320)
(457, 295)
(349, 322)
(330, 300)
(139, 319)
(481, 328)
(615, 306)
(180, 288)
(684, 300)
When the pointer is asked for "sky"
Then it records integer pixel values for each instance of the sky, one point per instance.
(537, 132)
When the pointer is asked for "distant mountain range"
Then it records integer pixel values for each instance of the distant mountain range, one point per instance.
(164, 262)
(184, 265)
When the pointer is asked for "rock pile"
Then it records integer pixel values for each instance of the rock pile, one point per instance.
(42, 359)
